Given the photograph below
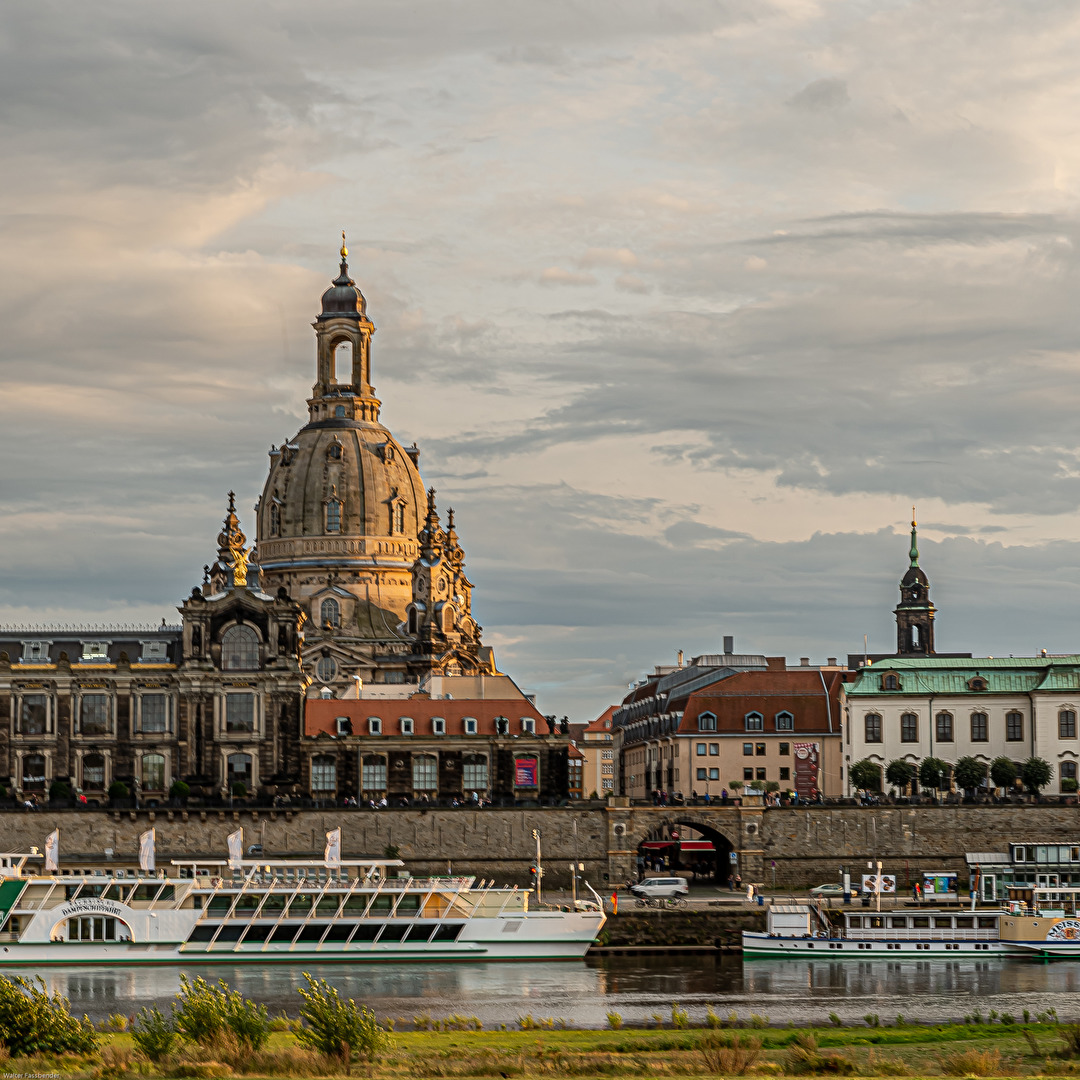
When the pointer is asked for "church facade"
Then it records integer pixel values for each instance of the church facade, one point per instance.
(354, 588)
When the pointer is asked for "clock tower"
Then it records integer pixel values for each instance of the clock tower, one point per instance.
(915, 612)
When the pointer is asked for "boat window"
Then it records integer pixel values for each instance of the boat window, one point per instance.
(257, 933)
(381, 904)
(283, 933)
(328, 905)
(920, 921)
(204, 932)
(987, 922)
(854, 920)
(965, 923)
(877, 922)
(92, 928)
(70, 892)
(312, 932)
(408, 905)
(356, 903)
(943, 922)
(368, 931)
(898, 921)
(247, 901)
(274, 902)
(145, 892)
(394, 931)
(340, 931)
(221, 902)
(447, 932)
(300, 905)
(230, 933)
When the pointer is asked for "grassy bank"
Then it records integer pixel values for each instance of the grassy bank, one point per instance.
(972, 1049)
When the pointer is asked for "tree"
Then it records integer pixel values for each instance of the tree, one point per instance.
(735, 785)
(900, 774)
(1003, 772)
(933, 772)
(1036, 774)
(969, 773)
(118, 790)
(865, 775)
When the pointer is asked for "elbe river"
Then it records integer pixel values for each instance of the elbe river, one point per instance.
(583, 992)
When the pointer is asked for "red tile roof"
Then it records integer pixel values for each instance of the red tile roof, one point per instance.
(320, 714)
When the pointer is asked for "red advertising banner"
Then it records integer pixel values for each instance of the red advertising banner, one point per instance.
(807, 761)
(525, 772)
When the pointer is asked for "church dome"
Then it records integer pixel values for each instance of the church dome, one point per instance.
(343, 299)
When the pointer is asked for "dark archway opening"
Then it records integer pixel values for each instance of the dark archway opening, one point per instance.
(690, 848)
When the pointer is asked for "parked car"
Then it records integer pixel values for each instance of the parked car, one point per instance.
(660, 887)
(833, 888)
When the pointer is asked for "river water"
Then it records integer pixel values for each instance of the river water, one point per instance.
(582, 993)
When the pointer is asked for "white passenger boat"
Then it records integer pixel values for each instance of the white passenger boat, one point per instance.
(1042, 921)
(275, 911)
(804, 930)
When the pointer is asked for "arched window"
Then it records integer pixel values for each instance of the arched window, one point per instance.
(873, 727)
(980, 727)
(944, 725)
(343, 356)
(33, 772)
(34, 714)
(412, 620)
(335, 451)
(238, 771)
(1014, 727)
(93, 772)
(333, 516)
(425, 772)
(474, 772)
(275, 519)
(399, 518)
(1067, 724)
(330, 613)
(240, 649)
(374, 773)
(95, 713)
(153, 772)
(909, 727)
(323, 774)
(890, 682)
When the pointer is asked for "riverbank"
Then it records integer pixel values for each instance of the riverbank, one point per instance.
(539, 1047)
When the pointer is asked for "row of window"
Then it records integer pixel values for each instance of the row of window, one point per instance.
(37, 652)
(747, 774)
(945, 727)
(153, 775)
(425, 773)
(407, 725)
(752, 721)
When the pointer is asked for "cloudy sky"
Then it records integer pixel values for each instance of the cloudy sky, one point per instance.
(685, 303)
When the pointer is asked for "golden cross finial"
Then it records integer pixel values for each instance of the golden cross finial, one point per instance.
(913, 521)
(344, 249)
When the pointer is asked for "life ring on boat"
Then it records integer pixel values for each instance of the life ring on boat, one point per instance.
(821, 934)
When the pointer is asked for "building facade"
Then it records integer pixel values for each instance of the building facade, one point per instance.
(595, 743)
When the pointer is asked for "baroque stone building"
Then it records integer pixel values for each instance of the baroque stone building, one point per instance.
(355, 588)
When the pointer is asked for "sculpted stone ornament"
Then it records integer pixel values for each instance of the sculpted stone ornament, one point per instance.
(231, 541)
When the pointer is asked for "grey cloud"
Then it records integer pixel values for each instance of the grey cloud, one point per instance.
(821, 95)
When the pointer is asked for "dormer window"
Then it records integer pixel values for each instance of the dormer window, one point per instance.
(406, 725)
(754, 722)
(785, 721)
(470, 726)
(890, 682)
(978, 683)
(502, 725)
(35, 652)
(438, 726)
(335, 452)
(154, 651)
(374, 725)
(528, 725)
(95, 650)
(707, 721)
(343, 725)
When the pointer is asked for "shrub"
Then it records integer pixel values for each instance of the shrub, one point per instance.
(729, 1053)
(975, 1063)
(338, 1028)
(1070, 1034)
(969, 773)
(1068, 784)
(179, 790)
(1003, 772)
(206, 1012)
(865, 775)
(872, 1020)
(803, 1056)
(1036, 774)
(614, 1020)
(32, 1022)
(59, 791)
(118, 790)
(932, 772)
(680, 1018)
(154, 1033)
(711, 1019)
(900, 773)
(835, 1020)
(239, 789)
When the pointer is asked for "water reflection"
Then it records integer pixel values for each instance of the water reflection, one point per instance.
(636, 987)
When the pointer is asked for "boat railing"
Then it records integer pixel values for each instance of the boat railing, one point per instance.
(922, 934)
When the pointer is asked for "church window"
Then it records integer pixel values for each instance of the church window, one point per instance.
(706, 722)
(980, 727)
(33, 716)
(153, 772)
(412, 620)
(93, 772)
(33, 772)
(333, 516)
(374, 773)
(239, 712)
(275, 519)
(909, 727)
(94, 714)
(326, 668)
(425, 772)
(335, 451)
(343, 356)
(785, 721)
(238, 771)
(240, 649)
(399, 518)
(873, 727)
(330, 613)
(323, 774)
(1066, 724)
(944, 725)
(474, 772)
(1014, 727)
(754, 722)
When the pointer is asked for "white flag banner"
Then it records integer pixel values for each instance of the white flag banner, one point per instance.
(146, 852)
(332, 855)
(236, 848)
(52, 850)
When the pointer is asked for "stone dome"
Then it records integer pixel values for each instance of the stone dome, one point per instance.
(343, 298)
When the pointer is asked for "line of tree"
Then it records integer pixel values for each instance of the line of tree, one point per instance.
(969, 774)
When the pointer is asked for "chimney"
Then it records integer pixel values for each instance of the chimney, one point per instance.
(831, 662)
(680, 657)
(804, 660)
(729, 644)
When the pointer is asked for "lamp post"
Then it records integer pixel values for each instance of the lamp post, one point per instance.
(539, 867)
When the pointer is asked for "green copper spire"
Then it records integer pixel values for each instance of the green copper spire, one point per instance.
(913, 554)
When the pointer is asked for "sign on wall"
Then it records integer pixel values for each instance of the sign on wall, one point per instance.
(525, 772)
(807, 762)
(870, 883)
